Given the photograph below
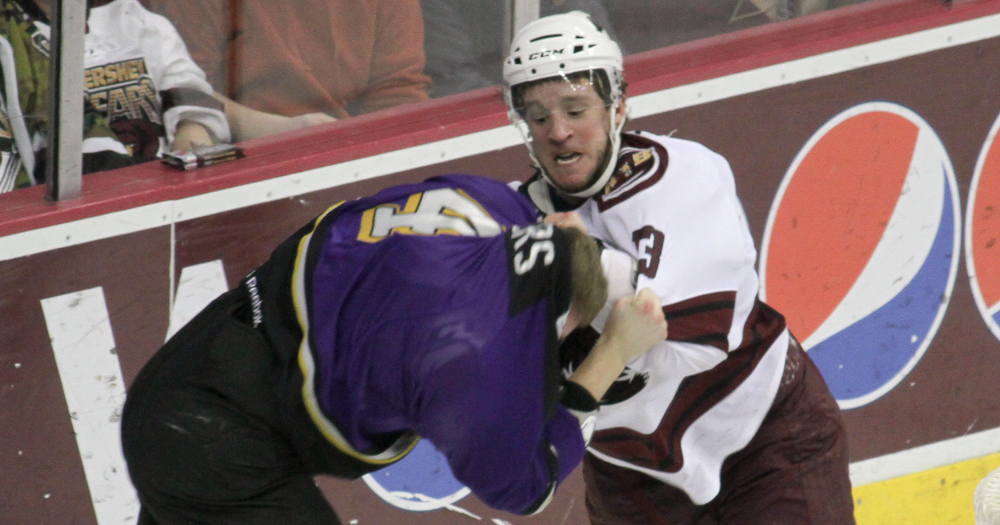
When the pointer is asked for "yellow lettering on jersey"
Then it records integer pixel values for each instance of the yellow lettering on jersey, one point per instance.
(444, 211)
(412, 203)
(99, 100)
(133, 70)
(125, 72)
(117, 104)
(641, 156)
(88, 78)
(111, 74)
(135, 102)
(97, 76)
(610, 185)
(142, 99)
(128, 93)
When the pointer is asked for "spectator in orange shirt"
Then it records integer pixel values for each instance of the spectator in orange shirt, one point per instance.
(338, 57)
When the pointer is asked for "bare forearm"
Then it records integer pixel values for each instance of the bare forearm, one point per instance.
(247, 123)
(600, 369)
(635, 326)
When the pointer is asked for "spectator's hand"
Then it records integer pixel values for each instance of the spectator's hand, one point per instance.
(189, 135)
(636, 324)
(304, 121)
(569, 219)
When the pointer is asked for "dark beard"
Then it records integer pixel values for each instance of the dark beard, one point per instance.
(596, 174)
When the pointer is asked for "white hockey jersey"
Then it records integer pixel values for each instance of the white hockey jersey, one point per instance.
(139, 75)
(680, 409)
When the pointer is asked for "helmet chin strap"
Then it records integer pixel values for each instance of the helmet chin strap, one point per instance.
(615, 138)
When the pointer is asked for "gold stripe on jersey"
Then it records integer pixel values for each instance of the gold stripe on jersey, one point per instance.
(307, 365)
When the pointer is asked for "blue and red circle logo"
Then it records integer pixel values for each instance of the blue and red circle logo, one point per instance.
(861, 247)
(982, 231)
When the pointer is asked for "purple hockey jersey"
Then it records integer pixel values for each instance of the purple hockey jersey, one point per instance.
(429, 310)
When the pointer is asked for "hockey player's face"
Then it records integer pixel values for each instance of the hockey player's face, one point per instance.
(569, 125)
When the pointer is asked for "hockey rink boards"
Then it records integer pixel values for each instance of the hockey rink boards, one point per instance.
(870, 174)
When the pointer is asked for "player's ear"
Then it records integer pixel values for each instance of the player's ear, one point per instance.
(569, 322)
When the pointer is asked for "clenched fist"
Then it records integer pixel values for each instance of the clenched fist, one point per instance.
(636, 324)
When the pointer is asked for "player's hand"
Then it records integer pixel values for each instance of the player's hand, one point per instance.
(636, 324)
(190, 135)
(569, 219)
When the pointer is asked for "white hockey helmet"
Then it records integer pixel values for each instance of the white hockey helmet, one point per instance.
(558, 46)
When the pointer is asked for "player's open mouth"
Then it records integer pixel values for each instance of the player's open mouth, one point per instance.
(568, 158)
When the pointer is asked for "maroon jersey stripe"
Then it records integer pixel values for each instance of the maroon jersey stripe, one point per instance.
(631, 167)
(696, 394)
(704, 319)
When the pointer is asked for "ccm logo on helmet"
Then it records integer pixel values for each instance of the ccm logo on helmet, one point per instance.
(546, 53)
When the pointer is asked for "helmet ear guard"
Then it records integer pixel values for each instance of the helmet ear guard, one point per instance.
(555, 48)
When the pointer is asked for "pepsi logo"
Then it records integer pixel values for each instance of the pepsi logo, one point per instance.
(861, 247)
(982, 231)
(421, 481)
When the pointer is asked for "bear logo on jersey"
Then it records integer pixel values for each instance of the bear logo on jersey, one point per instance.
(574, 350)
